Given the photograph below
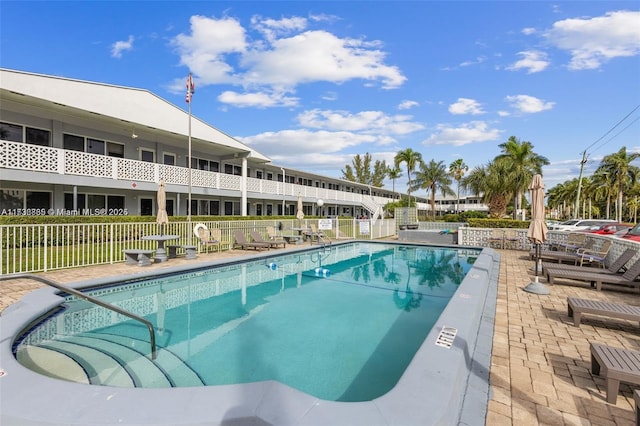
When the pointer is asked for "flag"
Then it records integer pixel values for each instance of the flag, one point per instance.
(191, 88)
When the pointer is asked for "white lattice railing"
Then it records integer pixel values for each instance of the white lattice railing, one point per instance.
(24, 156)
(40, 247)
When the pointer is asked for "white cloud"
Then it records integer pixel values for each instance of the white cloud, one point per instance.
(594, 41)
(120, 46)
(533, 61)
(280, 56)
(472, 132)
(257, 99)
(406, 104)
(478, 60)
(293, 143)
(466, 106)
(528, 31)
(369, 122)
(528, 104)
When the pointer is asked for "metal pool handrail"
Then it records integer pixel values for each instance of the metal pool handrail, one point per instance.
(152, 334)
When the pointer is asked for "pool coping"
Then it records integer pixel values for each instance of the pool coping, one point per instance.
(462, 372)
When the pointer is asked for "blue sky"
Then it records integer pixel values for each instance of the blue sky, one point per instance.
(313, 83)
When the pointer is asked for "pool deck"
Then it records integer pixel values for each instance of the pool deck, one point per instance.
(540, 363)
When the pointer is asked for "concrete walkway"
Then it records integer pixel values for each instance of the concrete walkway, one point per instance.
(540, 372)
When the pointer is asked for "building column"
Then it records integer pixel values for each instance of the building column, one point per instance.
(243, 188)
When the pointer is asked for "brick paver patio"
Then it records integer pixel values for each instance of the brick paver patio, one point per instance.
(540, 365)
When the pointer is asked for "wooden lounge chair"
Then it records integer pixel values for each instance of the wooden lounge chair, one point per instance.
(315, 234)
(629, 278)
(576, 307)
(614, 268)
(273, 236)
(242, 242)
(616, 365)
(256, 237)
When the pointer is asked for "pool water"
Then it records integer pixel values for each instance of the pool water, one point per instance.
(339, 323)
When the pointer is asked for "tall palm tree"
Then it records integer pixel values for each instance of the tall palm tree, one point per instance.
(523, 163)
(457, 169)
(491, 182)
(394, 173)
(623, 174)
(411, 158)
(433, 177)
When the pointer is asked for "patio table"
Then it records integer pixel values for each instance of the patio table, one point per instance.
(161, 253)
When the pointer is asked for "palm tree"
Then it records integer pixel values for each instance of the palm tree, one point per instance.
(433, 176)
(523, 163)
(490, 182)
(623, 175)
(457, 169)
(412, 159)
(394, 173)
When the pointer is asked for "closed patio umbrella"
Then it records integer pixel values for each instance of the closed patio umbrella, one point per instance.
(537, 232)
(162, 218)
(300, 213)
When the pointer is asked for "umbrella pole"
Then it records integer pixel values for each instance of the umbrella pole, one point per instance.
(535, 286)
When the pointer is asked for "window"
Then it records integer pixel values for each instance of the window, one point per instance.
(231, 169)
(10, 132)
(95, 146)
(116, 202)
(203, 164)
(81, 201)
(169, 159)
(96, 202)
(146, 155)
(214, 208)
(269, 209)
(73, 143)
(214, 166)
(146, 206)
(115, 149)
(258, 209)
(269, 176)
(38, 137)
(259, 174)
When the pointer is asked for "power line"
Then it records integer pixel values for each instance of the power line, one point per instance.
(613, 128)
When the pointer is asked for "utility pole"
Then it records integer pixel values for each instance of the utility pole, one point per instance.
(577, 205)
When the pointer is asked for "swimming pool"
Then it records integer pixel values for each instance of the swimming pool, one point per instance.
(351, 281)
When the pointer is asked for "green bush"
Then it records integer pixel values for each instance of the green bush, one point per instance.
(497, 223)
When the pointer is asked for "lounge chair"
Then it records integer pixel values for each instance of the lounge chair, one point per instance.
(242, 242)
(315, 234)
(273, 236)
(576, 307)
(255, 235)
(629, 278)
(614, 268)
(616, 365)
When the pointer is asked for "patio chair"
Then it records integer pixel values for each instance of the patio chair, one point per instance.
(628, 278)
(562, 256)
(241, 241)
(596, 256)
(255, 235)
(574, 241)
(511, 240)
(314, 233)
(273, 235)
(616, 267)
(496, 239)
(208, 238)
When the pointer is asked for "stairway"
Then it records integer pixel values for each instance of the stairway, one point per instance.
(107, 359)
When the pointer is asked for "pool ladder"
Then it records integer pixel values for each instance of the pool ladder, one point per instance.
(152, 334)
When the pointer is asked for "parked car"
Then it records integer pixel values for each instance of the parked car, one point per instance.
(579, 224)
(632, 234)
(609, 228)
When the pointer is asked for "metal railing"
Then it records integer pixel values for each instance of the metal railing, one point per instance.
(30, 248)
(51, 283)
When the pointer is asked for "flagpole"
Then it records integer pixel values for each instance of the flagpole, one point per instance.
(189, 97)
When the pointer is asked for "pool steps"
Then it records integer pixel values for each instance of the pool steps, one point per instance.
(110, 360)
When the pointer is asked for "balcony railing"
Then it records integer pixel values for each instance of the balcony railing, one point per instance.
(14, 155)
